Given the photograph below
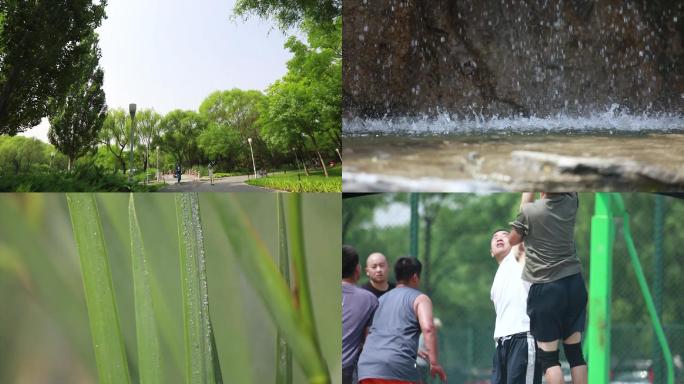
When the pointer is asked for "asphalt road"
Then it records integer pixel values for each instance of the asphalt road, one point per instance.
(225, 184)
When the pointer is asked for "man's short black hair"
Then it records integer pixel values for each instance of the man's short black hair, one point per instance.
(500, 230)
(350, 259)
(405, 267)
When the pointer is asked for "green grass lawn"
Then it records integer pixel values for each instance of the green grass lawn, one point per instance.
(295, 181)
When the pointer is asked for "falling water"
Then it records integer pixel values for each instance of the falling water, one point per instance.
(493, 60)
(446, 95)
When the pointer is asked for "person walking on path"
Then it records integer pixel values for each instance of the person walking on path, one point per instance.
(210, 169)
(178, 173)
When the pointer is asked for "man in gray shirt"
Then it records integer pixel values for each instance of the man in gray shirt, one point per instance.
(390, 352)
(557, 299)
(358, 306)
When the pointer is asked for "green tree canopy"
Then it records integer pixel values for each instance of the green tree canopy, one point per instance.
(43, 47)
(223, 145)
(180, 130)
(236, 109)
(115, 135)
(305, 106)
(75, 125)
(148, 127)
(290, 13)
(19, 154)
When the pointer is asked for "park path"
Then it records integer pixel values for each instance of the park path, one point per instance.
(225, 184)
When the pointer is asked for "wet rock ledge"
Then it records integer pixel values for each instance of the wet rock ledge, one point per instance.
(410, 57)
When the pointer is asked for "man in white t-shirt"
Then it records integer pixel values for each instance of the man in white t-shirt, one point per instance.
(515, 356)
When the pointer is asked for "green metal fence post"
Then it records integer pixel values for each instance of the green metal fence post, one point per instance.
(414, 225)
(600, 264)
(643, 285)
(658, 219)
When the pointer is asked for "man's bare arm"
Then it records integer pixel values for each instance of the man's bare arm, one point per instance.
(527, 197)
(423, 308)
(520, 253)
(514, 238)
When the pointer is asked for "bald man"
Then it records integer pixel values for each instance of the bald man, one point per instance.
(377, 270)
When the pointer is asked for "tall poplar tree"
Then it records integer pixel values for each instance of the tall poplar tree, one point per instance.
(76, 123)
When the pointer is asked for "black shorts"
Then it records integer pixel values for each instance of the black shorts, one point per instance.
(515, 361)
(557, 309)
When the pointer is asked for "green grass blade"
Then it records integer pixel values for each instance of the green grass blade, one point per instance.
(295, 232)
(110, 354)
(170, 330)
(200, 360)
(255, 260)
(283, 353)
(145, 319)
(218, 376)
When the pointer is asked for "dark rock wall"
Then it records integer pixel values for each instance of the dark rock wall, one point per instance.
(409, 57)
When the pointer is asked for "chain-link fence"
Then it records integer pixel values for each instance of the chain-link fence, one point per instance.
(656, 227)
(453, 244)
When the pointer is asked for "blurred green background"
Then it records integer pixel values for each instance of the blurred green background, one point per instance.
(44, 332)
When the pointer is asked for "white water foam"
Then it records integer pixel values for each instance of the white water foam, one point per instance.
(612, 121)
(373, 182)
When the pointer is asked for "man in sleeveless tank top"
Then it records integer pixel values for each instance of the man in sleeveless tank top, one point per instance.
(358, 306)
(557, 299)
(515, 356)
(389, 354)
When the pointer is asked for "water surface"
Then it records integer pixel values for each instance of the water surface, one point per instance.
(491, 161)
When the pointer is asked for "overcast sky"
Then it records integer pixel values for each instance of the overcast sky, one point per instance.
(169, 54)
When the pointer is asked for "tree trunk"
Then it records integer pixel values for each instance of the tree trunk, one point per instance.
(69, 164)
(325, 170)
(303, 159)
(147, 158)
(306, 171)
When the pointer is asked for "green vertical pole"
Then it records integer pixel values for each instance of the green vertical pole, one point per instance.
(643, 285)
(414, 225)
(600, 264)
(657, 288)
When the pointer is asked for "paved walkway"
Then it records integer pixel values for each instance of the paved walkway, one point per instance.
(224, 184)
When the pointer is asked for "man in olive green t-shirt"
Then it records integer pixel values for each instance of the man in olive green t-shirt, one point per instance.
(557, 299)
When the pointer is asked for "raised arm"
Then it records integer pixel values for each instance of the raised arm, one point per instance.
(527, 197)
(519, 229)
(423, 308)
(514, 238)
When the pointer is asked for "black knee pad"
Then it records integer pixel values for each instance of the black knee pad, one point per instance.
(573, 352)
(547, 359)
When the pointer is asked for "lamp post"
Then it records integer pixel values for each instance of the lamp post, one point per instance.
(249, 140)
(131, 109)
(296, 159)
(338, 153)
(157, 163)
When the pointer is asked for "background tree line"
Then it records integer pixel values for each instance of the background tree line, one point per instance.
(296, 121)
